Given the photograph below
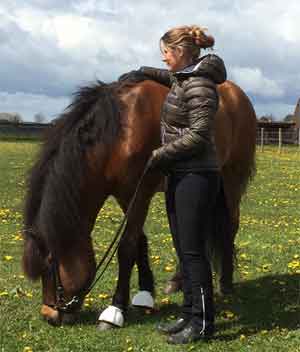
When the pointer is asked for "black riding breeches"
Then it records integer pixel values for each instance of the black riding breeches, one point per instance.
(190, 203)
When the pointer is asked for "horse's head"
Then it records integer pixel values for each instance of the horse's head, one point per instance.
(66, 282)
(65, 277)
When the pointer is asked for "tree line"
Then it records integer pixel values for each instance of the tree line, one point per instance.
(14, 117)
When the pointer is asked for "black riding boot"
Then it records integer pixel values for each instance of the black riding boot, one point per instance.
(186, 310)
(198, 281)
(201, 325)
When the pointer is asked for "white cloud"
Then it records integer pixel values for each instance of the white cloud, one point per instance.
(30, 104)
(253, 81)
(278, 110)
(50, 47)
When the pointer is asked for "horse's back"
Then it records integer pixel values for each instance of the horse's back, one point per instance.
(235, 128)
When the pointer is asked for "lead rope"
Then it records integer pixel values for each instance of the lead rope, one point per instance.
(117, 239)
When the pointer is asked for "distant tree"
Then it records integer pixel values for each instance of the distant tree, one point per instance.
(289, 118)
(39, 117)
(16, 118)
(11, 117)
(267, 118)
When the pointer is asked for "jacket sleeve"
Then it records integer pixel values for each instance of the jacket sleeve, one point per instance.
(201, 100)
(161, 76)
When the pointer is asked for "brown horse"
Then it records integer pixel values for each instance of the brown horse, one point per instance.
(99, 147)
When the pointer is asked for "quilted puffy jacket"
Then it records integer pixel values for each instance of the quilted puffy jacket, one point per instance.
(187, 119)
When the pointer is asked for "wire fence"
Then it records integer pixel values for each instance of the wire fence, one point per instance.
(278, 137)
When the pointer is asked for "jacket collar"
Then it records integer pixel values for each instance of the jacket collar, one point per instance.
(189, 69)
(210, 65)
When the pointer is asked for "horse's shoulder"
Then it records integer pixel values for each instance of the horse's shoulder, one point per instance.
(151, 87)
(148, 92)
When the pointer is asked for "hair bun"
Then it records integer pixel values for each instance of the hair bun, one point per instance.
(200, 38)
(208, 42)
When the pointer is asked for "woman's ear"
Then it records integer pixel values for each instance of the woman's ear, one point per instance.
(180, 51)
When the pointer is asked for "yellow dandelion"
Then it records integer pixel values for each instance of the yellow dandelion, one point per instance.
(8, 258)
(103, 295)
(27, 349)
(227, 314)
(169, 268)
(295, 264)
(165, 300)
(266, 268)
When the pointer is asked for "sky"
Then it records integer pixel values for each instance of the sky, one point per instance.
(49, 48)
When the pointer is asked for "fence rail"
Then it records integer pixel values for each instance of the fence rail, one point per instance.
(24, 130)
(279, 137)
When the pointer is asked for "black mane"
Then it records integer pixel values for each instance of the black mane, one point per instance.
(52, 200)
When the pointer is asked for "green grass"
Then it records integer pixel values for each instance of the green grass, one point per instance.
(262, 315)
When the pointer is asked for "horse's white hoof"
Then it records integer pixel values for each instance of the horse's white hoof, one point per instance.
(143, 299)
(112, 315)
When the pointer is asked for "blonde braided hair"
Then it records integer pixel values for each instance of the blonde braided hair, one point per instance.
(191, 38)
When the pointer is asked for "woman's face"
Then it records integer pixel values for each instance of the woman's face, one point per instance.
(173, 58)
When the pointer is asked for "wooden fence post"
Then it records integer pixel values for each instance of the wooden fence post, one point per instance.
(279, 139)
(261, 139)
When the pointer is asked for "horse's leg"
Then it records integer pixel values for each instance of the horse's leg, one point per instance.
(132, 250)
(230, 228)
(146, 280)
(145, 297)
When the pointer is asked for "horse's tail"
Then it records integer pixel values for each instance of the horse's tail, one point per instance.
(33, 261)
(221, 244)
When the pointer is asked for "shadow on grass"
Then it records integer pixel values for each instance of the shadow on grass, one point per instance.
(260, 304)
(133, 315)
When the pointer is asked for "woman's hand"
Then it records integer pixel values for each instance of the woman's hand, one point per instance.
(133, 76)
(153, 161)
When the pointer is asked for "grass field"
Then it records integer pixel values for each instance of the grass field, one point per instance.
(263, 314)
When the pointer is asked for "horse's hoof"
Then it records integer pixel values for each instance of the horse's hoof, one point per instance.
(68, 319)
(113, 316)
(143, 299)
(104, 326)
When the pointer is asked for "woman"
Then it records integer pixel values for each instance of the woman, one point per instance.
(188, 157)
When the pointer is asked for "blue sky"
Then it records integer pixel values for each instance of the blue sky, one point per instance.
(48, 48)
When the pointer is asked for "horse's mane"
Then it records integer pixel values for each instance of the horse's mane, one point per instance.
(52, 200)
